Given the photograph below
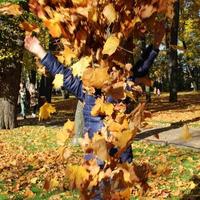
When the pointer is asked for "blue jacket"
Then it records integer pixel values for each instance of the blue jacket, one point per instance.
(74, 85)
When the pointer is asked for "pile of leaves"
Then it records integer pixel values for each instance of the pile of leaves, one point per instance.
(100, 34)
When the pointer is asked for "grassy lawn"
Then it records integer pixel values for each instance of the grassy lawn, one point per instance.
(31, 168)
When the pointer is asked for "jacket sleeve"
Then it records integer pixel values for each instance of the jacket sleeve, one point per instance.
(71, 83)
(142, 67)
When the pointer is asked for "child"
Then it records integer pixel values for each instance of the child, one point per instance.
(33, 99)
(92, 124)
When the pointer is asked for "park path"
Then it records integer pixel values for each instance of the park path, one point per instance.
(172, 135)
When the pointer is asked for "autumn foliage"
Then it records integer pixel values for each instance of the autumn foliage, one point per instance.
(99, 34)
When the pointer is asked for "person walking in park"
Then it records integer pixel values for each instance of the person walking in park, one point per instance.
(33, 99)
(23, 99)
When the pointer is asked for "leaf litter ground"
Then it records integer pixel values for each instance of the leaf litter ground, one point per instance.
(31, 167)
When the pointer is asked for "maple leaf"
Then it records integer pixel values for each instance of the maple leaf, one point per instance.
(110, 13)
(111, 45)
(79, 67)
(123, 139)
(102, 108)
(10, 9)
(66, 132)
(45, 111)
(114, 126)
(99, 147)
(89, 77)
(54, 27)
(77, 175)
(58, 81)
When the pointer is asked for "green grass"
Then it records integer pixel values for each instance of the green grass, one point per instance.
(172, 169)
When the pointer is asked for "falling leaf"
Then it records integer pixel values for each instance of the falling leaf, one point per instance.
(79, 67)
(66, 132)
(102, 108)
(99, 147)
(110, 13)
(54, 27)
(80, 2)
(10, 9)
(111, 45)
(66, 56)
(45, 111)
(58, 81)
(186, 135)
(90, 77)
(122, 139)
(77, 175)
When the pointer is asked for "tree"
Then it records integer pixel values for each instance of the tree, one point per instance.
(11, 54)
(173, 56)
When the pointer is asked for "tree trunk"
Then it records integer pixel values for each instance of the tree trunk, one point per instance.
(45, 89)
(9, 87)
(173, 57)
(32, 76)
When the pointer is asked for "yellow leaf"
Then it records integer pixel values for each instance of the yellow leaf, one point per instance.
(58, 81)
(77, 175)
(122, 139)
(111, 45)
(69, 126)
(90, 77)
(116, 126)
(79, 67)
(10, 9)
(66, 56)
(54, 27)
(102, 108)
(186, 135)
(45, 111)
(110, 13)
(61, 138)
(80, 2)
(66, 132)
(99, 147)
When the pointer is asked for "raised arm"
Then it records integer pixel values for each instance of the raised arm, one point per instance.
(142, 67)
(71, 83)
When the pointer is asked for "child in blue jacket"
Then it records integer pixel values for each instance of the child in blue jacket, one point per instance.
(73, 84)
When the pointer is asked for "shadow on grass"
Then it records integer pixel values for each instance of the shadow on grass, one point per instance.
(195, 193)
(184, 101)
(65, 110)
(175, 125)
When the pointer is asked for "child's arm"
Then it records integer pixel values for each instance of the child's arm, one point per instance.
(71, 83)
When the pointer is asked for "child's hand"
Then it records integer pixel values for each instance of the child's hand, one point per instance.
(32, 44)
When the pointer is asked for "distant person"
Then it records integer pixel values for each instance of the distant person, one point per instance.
(23, 99)
(157, 87)
(33, 99)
